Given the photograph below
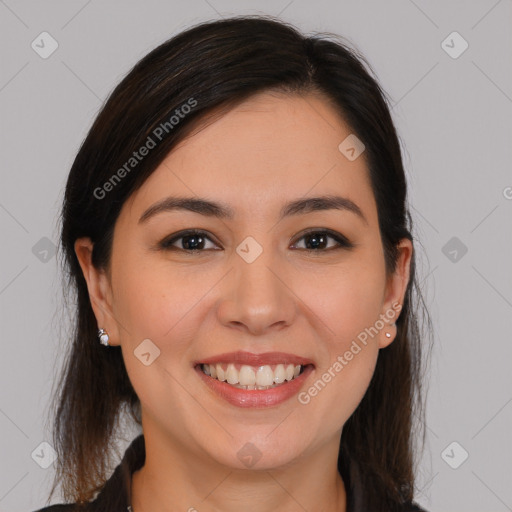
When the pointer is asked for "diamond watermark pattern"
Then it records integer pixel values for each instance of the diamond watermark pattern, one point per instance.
(454, 455)
(44, 455)
(44, 250)
(44, 45)
(454, 249)
(351, 147)
(454, 45)
(249, 455)
(249, 249)
(146, 352)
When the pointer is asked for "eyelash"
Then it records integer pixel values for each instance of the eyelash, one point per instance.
(343, 243)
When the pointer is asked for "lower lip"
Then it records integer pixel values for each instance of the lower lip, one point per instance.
(257, 398)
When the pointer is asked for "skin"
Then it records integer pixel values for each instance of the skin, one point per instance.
(270, 150)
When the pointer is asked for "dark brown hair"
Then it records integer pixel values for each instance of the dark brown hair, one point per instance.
(220, 64)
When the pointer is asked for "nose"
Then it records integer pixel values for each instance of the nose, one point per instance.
(256, 296)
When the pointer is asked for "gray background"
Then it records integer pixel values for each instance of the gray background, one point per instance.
(454, 118)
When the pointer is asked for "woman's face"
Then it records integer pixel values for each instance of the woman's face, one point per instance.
(251, 295)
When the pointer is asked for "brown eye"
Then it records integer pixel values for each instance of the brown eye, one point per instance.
(315, 241)
(318, 241)
(190, 240)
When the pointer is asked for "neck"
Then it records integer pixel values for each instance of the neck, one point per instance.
(173, 479)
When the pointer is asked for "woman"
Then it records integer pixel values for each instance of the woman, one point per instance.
(236, 229)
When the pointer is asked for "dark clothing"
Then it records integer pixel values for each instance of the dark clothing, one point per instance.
(116, 494)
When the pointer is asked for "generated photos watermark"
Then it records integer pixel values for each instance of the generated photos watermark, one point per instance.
(156, 136)
(343, 360)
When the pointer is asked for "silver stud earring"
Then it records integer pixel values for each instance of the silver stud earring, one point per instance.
(103, 337)
(388, 335)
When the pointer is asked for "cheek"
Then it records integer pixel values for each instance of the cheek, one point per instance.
(153, 300)
(157, 302)
(347, 298)
(349, 304)
(337, 389)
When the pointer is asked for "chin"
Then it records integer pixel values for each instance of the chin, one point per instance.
(259, 450)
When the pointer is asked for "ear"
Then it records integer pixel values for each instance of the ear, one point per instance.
(100, 290)
(396, 287)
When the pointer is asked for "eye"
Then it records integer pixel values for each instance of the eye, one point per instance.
(318, 240)
(191, 240)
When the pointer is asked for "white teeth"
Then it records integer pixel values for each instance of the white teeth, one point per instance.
(249, 377)
(232, 374)
(279, 374)
(220, 373)
(265, 376)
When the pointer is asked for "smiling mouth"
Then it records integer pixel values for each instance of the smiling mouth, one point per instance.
(248, 377)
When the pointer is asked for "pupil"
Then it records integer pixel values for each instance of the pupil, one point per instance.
(191, 246)
(316, 239)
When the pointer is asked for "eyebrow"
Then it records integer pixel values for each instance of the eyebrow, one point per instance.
(223, 211)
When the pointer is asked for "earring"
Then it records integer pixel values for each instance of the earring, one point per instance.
(388, 335)
(103, 337)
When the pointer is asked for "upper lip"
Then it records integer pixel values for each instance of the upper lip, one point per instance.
(251, 359)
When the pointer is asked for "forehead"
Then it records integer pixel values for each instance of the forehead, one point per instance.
(267, 150)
